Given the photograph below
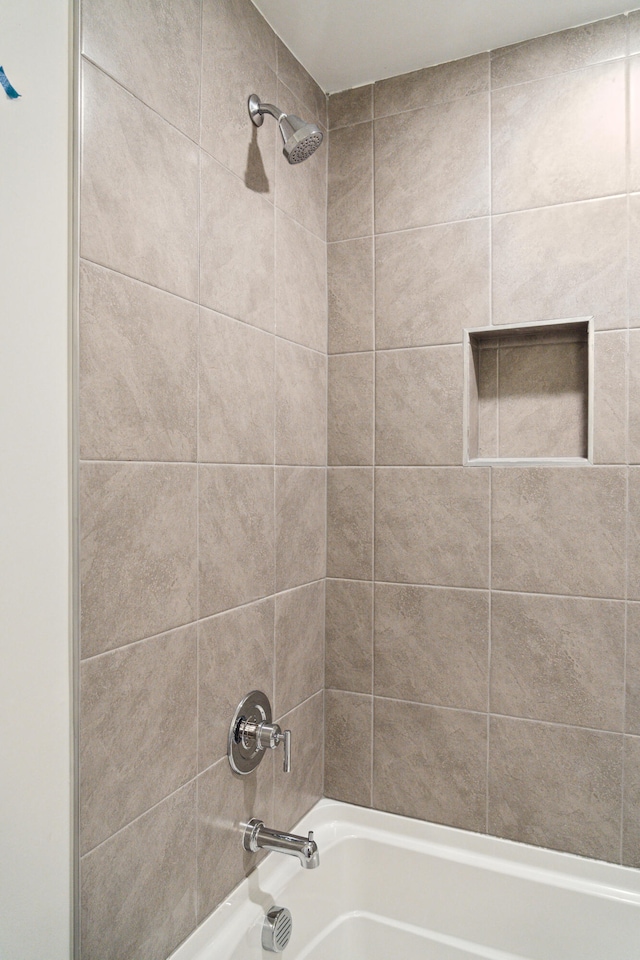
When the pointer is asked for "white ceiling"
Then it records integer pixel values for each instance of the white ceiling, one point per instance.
(345, 43)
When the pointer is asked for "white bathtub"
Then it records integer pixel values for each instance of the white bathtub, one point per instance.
(390, 888)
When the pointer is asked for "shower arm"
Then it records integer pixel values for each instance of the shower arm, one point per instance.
(258, 109)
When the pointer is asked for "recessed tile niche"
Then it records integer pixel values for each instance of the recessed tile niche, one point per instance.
(528, 390)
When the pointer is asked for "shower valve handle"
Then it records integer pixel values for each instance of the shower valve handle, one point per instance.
(267, 736)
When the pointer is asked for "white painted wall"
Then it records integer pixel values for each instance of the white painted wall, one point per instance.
(35, 689)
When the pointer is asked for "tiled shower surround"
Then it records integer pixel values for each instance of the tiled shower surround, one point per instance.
(482, 662)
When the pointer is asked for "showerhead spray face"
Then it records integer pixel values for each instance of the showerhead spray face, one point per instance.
(300, 139)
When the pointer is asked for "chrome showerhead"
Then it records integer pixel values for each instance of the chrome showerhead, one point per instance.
(300, 139)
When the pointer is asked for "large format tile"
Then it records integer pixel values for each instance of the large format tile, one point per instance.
(419, 399)
(436, 770)
(348, 723)
(138, 189)
(301, 497)
(238, 59)
(137, 730)
(559, 52)
(350, 410)
(633, 547)
(301, 83)
(133, 42)
(350, 182)
(432, 526)
(226, 802)
(137, 551)
(558, 658)
(432, 645)
(431, 284)
(634, 396)
(301, 284)
(236, 391)
(235, 655)
(138, 889)
(632, 671)
(630, 821)
(610, 398)
(296, 792)
(566, 261)
(349, 635)
(236, 248)
(350, 295)
(138, 370)
(351, 106)
(301, 408)
(301, 188)
(446, 81)
(350, 522)
(236, 536)
(432, 165)
(558, 787)
(634, 260)
(634, 123)
(299, 665)
(556, 158)
(559, 530)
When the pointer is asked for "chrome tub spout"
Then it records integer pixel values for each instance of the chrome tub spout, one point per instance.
(258, 837)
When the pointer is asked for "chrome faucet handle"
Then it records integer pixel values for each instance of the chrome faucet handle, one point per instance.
(252, 733)
(269, 735)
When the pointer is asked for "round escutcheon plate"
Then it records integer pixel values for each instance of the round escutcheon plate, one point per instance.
(244, 757)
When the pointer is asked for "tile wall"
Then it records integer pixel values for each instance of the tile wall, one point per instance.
(483, 623)
(203, 457)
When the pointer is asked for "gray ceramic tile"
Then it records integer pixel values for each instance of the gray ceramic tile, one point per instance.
(632, 700)
(238, 59)
(138, 189)
(630, 822)
(567, 261)
(138, 370)
(296, 792)
(542, 399)
(236, 391)
(555, 158)
(300, 525)
(432, 166)
(348, 747)
(419, 398)
(633, 567)
(301, 284)
(236, 248)
(634, 260)
(137, 551)
(432, 526)
(431, 284)
(432, 645)
(236, 536)
(235, 655)
(351, 106)
(483, 397)
(559, 530)
(301, 83)
(437, 770)
(138, 889)
(350, 522)
(634, 123)
(559, 52)
(301, 415)
(134, 42)
(299, 669)
(350, 295)
(634, 396)
(350, 410)
(559, 659)
(610, 398)
(558, 787)
(225, 802)
(446, 81)
(350, 182)
(301, 188)
(349, 635)
(137, 730)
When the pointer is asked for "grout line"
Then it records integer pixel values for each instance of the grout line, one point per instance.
(374, 421)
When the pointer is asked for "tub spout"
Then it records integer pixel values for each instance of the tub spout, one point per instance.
(258, 837)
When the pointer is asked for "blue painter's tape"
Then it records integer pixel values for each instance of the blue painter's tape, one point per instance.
(10, 91)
